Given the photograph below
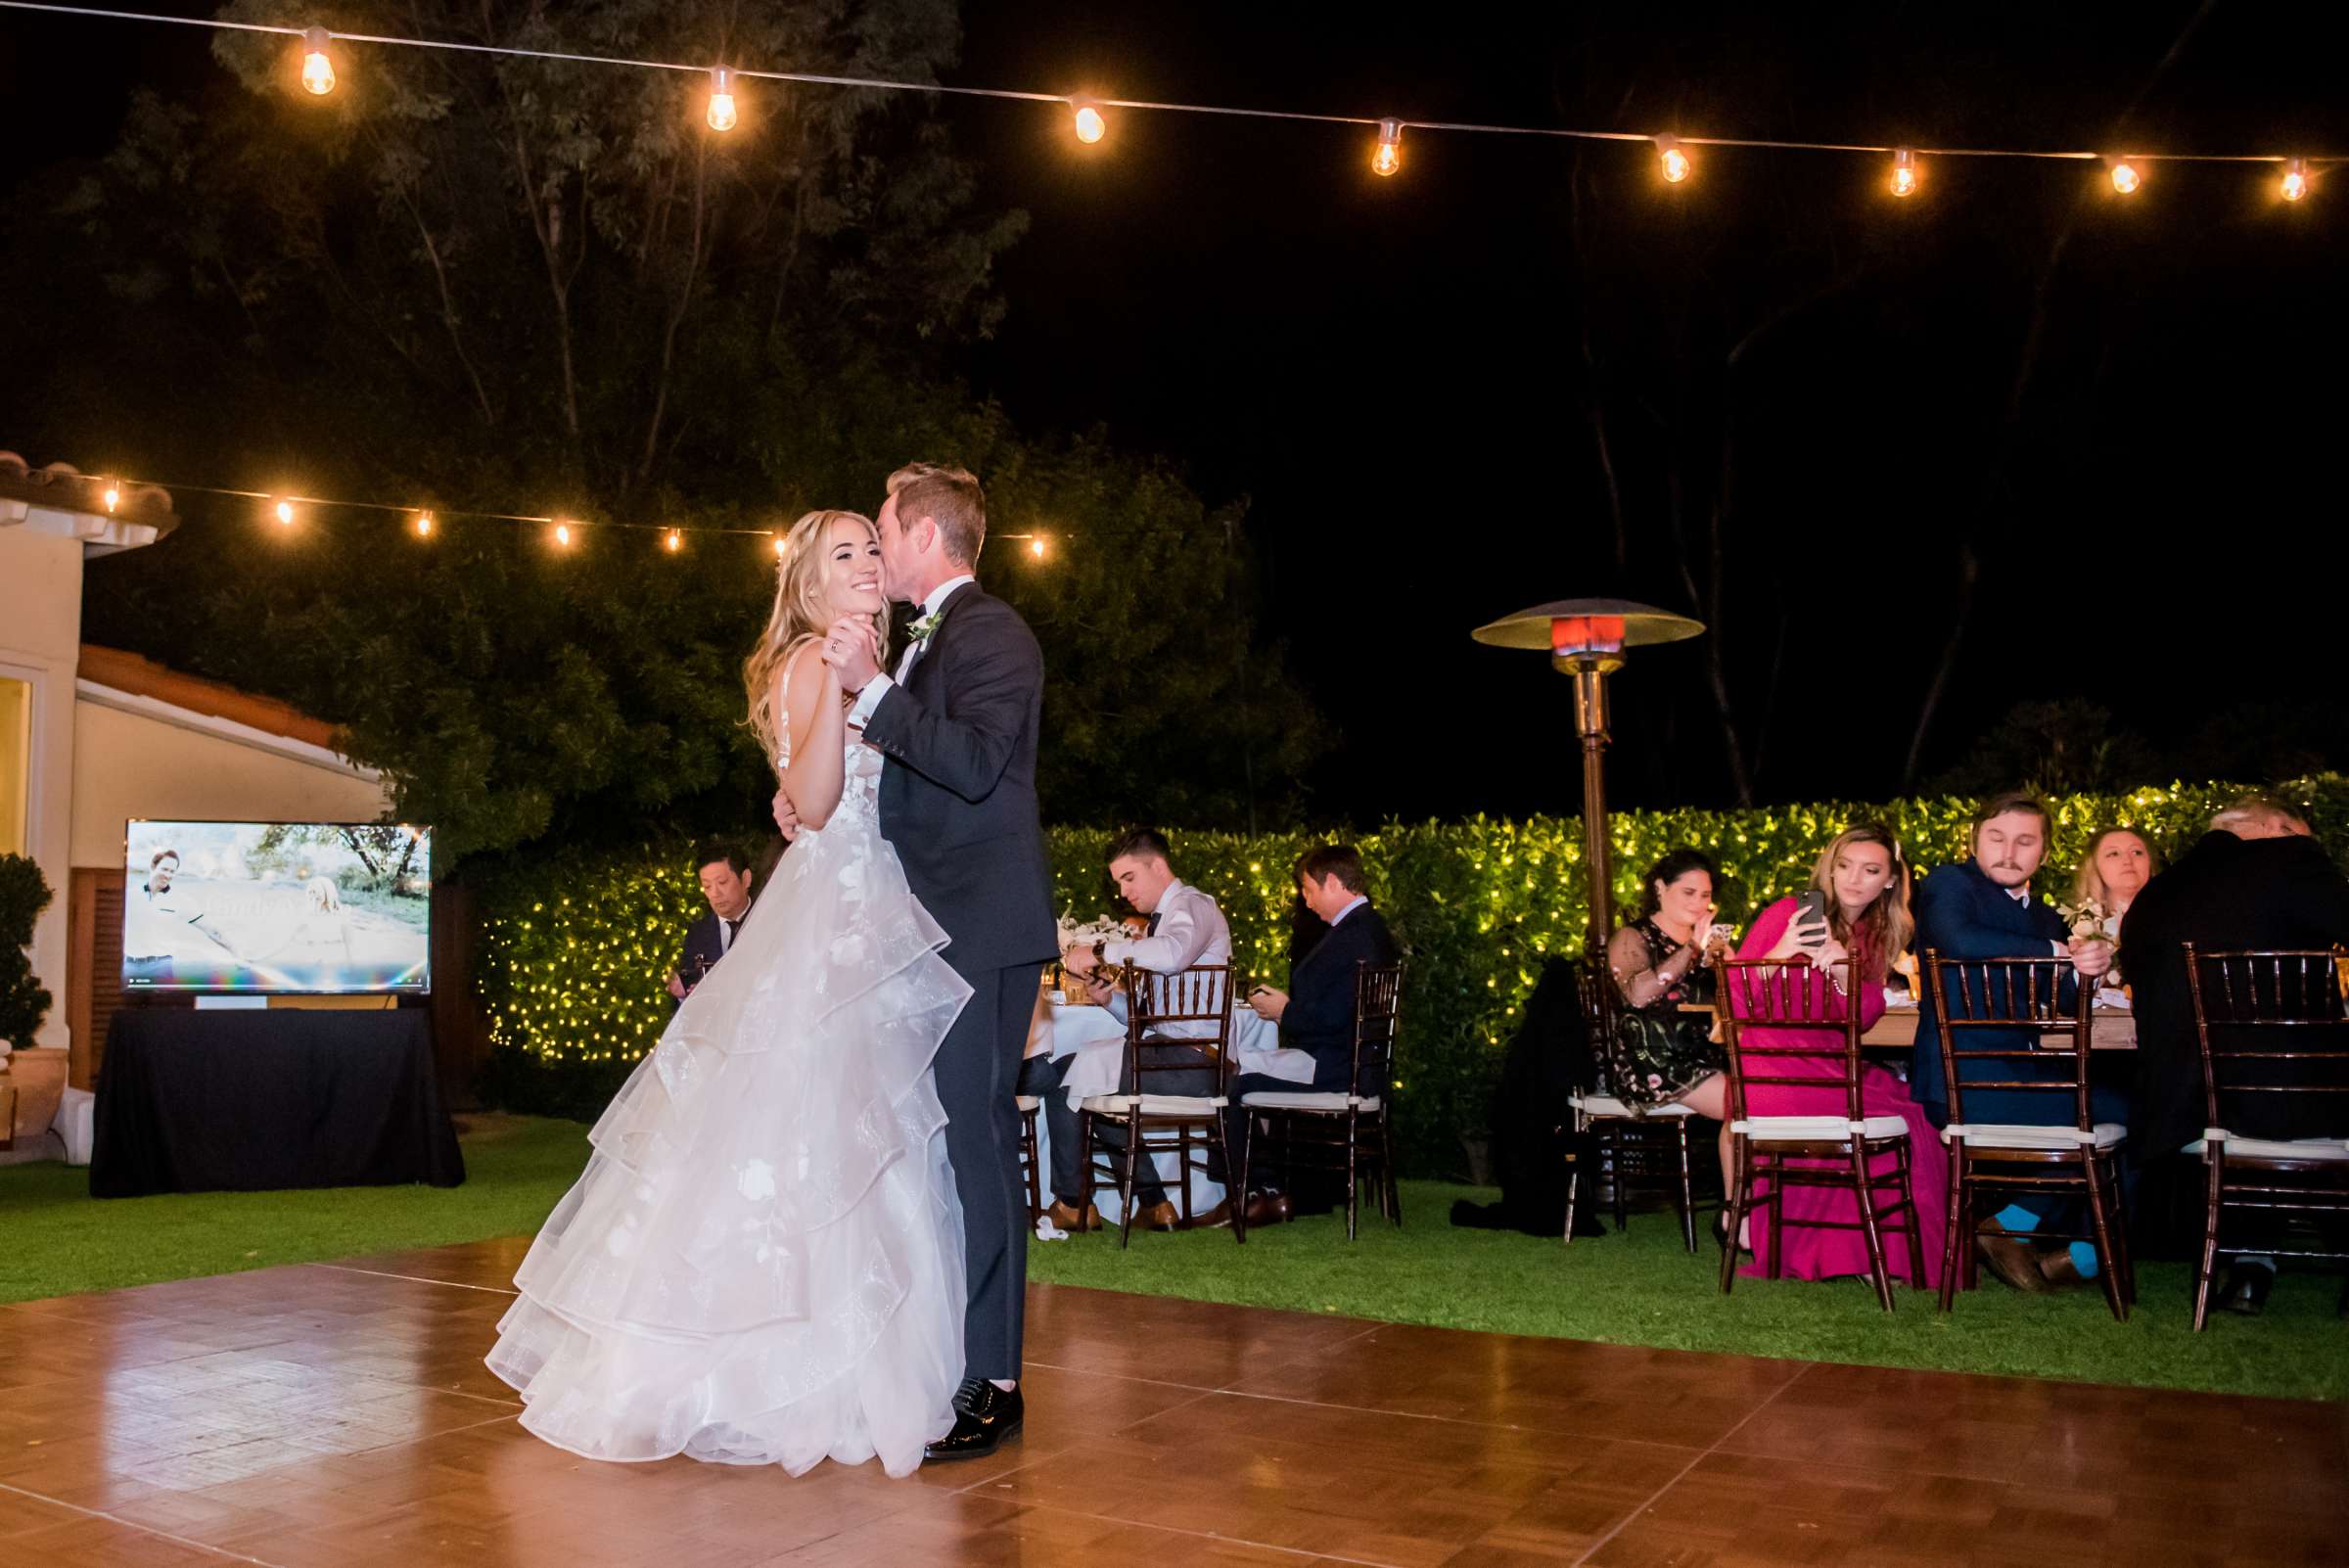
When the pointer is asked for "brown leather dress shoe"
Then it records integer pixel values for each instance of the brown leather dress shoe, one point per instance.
(1218, 1217)
(1270, 1208)
(2011, 1259)
(2060, 1272)
(1160, 1215)
(1066, 1218)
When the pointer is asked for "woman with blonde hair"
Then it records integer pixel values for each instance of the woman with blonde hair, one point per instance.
(2118, 865)
(1864, 879)
(762, 1264)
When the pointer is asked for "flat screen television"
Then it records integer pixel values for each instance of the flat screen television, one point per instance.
(277, 907)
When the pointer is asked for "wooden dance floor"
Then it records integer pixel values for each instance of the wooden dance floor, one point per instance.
(339, 1416)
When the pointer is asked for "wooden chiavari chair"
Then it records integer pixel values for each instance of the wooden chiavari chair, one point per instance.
(1186, 1126)
(1824, 1150)
(1343, 1130)
(1992, 1162)
(2292, 997)
(1650, 1151)
(1031, 1162)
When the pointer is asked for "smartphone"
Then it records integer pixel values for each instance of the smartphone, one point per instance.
(1811, 918)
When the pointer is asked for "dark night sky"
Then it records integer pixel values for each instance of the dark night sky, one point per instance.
(1390, 369)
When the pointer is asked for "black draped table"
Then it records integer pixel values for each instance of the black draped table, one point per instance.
(247, 1101)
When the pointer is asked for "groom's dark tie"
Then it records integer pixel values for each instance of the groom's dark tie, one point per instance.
(1151, 930)
(733, 931)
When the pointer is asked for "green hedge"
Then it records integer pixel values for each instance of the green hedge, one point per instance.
(575, 950)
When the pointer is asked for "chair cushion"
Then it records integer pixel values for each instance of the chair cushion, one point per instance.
(1299, 1100)
(1200, 1105)
(2022, 1135)
(2271, 1148)
(1609, 1105)
(1817, 1128)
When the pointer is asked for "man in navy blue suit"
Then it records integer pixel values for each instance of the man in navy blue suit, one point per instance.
(1983, 907)
(726, 880)
(1315, 1014)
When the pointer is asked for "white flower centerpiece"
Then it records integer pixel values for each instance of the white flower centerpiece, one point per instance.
(2090, 921)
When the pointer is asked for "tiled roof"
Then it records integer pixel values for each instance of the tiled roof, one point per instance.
(63, 487)
(141, 676)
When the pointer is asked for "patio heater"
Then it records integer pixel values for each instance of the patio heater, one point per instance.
(1586, 639)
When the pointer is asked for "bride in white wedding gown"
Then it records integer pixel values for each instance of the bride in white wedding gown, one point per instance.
(762, 1262)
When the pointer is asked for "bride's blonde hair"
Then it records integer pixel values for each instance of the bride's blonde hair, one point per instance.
(802, 613)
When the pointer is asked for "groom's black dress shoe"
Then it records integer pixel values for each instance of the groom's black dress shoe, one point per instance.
(985, 1417)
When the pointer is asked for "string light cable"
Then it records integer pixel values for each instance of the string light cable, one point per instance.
(287, 509)
(2301, 171)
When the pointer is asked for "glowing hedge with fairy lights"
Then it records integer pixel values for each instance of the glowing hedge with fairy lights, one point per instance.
(575, 950)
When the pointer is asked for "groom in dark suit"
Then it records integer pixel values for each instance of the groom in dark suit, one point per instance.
(958, 722)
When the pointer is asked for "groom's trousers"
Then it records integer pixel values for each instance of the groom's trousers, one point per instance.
(977, 1072)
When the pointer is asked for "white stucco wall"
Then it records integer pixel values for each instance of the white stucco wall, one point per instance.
(137, 758)
(40, 642)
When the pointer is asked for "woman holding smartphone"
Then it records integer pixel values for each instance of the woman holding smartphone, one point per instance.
(1659, 1053)
(1856, 910)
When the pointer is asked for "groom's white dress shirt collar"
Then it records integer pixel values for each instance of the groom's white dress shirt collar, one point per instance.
(870, 698)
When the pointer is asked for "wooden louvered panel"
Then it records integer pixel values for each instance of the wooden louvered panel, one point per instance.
(93, 967)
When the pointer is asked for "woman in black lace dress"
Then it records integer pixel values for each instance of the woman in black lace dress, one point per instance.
(1658, 1053)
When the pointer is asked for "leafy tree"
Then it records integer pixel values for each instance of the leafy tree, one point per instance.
(540, 286)
(2054, 748)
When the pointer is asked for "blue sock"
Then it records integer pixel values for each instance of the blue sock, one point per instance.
(2015, 1216)
(2084, 1258)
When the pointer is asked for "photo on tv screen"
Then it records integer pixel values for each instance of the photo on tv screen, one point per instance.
(277, 906)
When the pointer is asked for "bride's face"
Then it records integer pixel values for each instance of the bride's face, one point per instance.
(852, 574)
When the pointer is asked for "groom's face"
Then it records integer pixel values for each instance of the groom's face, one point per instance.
(898, 566)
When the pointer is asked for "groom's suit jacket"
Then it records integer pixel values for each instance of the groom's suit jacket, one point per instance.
(959, 805)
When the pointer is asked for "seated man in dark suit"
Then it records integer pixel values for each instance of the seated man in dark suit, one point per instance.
(1315, 1014)
(1983, 907)
(726, 880)
(2257, 880)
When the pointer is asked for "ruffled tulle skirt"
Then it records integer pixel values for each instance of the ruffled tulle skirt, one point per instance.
(762, 1262)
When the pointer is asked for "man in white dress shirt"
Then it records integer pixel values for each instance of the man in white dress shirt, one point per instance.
(1186, 928)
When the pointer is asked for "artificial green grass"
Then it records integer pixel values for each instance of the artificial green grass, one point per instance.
(1641, 1288)
(1636, 1288)
(56, 1239)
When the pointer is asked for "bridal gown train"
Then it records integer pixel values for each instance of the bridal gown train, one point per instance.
(762, 1262)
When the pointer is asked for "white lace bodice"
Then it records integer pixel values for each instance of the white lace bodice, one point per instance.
(859, 785)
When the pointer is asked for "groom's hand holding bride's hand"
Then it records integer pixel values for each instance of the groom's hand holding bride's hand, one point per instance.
(848, 649)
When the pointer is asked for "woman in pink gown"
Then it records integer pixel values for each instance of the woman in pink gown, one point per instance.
(1867, 884)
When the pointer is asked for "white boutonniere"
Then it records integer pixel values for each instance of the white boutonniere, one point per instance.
(921, 629)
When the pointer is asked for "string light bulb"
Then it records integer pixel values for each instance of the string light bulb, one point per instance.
(2125, 177)
(1904, 172)
(317, 70)
(721, 99)
(1036, 548)
(673, 542)
(1090, 126)
(112, 496)
(284, 514)
(2296, 179)
(424, 525)
(562, 535)
(778, 539)
(1673, 161)
(1389, 157)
